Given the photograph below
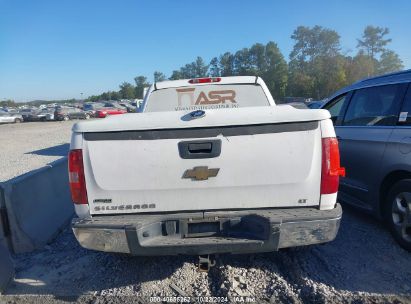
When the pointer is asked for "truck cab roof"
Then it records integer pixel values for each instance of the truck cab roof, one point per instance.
(206, 81)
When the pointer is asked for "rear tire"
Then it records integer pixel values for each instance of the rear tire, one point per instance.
(397, 212)
(66, 118)
(87, 116)
(17, 120)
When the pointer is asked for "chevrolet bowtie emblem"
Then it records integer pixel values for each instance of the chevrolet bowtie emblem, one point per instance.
(201, 173)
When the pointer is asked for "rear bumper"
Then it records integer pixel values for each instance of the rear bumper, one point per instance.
(208, 232)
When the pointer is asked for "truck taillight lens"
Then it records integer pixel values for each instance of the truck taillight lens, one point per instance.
(331, 170)
(76, 177)
(205, 80)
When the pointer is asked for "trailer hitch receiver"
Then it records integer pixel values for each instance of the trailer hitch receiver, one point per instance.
(205, 262)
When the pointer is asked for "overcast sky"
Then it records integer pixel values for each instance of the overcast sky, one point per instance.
(58, 49)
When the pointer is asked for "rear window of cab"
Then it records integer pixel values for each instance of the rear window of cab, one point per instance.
(213, 96)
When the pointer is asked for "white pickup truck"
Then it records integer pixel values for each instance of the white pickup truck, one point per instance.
(212, 165)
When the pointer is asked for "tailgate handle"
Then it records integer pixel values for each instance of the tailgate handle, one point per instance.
(199, 149)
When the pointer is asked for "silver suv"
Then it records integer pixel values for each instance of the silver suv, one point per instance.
(372, 120)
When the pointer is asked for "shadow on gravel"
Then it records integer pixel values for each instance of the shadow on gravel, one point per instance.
(362, 260)
(59, 150)
(66, 270)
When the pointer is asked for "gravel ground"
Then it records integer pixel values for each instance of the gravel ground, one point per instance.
(29, 146)
(363, 265)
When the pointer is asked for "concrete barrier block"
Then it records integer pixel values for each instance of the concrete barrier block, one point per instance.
(38, 206)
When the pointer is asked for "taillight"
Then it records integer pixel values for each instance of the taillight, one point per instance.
(331, 170)
(76, 177)
(205, 80)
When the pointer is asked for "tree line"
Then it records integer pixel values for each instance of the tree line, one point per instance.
(316, 68)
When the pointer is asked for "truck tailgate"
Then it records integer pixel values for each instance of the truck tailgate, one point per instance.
(262, 165)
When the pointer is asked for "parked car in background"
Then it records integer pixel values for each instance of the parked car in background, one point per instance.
(50, 116)
(92, 108)
(67, 113)
(25, 113)
(372, 119)
(128, 106)
(109, 111)
(136, 106)
(294, 99)
(39, 115)
(114, 104)
(316, 104)
(6, 117)
(10, 110)
(34, 116)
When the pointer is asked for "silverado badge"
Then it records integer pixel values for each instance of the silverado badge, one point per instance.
(200, 173)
